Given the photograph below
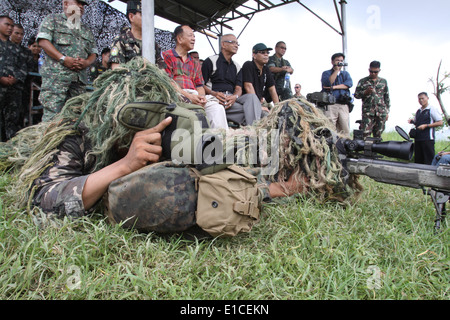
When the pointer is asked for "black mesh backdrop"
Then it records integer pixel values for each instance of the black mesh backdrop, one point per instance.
(104, 21)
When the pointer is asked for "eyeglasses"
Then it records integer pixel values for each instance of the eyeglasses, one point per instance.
(232, 42)
(263, 51)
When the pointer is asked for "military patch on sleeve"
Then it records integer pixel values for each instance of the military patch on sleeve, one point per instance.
(114, 51)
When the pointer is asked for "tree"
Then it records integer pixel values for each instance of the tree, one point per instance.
(439, 89)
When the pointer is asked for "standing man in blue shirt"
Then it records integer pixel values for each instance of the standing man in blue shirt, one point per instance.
(338, 82)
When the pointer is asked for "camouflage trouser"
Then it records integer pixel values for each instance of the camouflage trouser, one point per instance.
(373, 125)
(284, 93)
(11, 112)
(55, 93)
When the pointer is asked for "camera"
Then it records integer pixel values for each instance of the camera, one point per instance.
(342, 64)
(346, 99)
(321, 99)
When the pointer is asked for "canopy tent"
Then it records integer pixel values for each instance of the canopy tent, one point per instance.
(215, 16)
(210, 17)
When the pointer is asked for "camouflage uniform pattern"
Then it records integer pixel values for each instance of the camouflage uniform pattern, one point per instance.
(163, 196)
(11, 64)
(375, 107)
(58, 82)
(59, 188)
(125, 47)
(95, 70)
(274, 61)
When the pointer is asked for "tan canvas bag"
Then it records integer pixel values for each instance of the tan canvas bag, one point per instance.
(228, 202)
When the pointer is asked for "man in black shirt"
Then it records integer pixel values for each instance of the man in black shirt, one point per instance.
(223, 86)
(256, 79)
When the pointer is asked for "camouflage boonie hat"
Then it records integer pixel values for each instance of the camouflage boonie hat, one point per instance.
(158, 198)
(134, 5)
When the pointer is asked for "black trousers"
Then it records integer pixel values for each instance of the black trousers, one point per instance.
(424, 151)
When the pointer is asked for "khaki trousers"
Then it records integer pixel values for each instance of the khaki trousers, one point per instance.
(339, 116)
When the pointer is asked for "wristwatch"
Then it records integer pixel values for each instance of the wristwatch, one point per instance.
(61, 60)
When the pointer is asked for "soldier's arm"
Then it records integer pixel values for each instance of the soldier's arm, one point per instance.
(145, 148)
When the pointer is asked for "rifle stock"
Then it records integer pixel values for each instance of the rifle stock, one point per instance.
(411, 175)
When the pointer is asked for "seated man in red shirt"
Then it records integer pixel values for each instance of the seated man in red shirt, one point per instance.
(187, 73)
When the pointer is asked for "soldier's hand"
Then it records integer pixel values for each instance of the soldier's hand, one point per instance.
(70, 63)
(8, 81)
(146, 147)
(369, 91)
(80, 64)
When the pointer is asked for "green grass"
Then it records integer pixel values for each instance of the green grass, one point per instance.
(383, 246)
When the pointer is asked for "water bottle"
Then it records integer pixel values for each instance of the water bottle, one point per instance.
(287, 80)
(40, 61)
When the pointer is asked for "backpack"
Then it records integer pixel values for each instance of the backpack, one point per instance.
(167, 198)
(228, 202)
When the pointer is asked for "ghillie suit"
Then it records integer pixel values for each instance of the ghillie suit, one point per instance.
(31, 151)
(306, 146)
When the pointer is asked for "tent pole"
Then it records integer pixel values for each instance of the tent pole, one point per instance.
(148, 29)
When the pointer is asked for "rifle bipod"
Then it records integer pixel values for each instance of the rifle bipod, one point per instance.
(439, 200)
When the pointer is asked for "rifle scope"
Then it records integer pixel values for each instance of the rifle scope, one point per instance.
(394, 149)
(372, 146)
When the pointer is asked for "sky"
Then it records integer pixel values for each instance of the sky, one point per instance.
(409, 37)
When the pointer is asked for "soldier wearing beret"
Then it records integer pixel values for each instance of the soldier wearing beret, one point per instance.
(70, 48)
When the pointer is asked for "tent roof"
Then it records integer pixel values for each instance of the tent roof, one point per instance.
(212, 15)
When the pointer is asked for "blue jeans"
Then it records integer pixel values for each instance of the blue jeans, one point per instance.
(445, 159)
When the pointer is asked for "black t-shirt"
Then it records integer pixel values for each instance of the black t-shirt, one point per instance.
(260, 80)
(226, 76)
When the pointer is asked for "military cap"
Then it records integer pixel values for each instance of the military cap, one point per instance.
(134, 5)
(260, 47)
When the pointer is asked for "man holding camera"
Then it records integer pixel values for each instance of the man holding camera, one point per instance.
(338, 82)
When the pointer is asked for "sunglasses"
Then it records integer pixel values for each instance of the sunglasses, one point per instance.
(232, 42)
(373, 71)
(263, 51)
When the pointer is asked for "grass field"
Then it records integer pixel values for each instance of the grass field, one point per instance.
(382, 246)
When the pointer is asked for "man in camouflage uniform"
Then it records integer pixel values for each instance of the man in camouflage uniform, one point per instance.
(128, 44)
(70, 49)
(12, 77)
(100, 66)
(374, 93)
(279, 67)
(26, 57)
